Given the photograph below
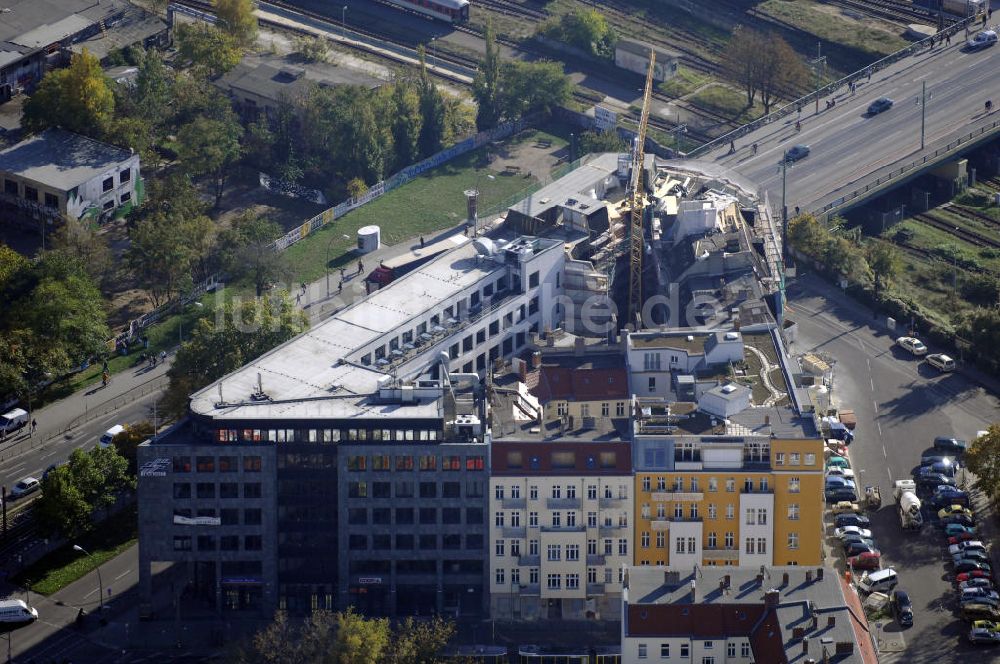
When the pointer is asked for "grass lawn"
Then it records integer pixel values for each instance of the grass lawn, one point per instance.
(727, 102)
(430, 203)
(683, 83)
(64, 566)
(827, 22)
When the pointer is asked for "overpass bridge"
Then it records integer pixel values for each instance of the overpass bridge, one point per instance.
(855, 157)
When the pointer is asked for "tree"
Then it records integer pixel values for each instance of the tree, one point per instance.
(586, 29)
(62, 508)
(246, 252)
(983, 460)
(128, 441)
(209, 50)
(419, 641)
(433, 113)
(486, 84)
(239, 333)
(237, 19)
(360, 640)
(157, 257)
(407, 123)
(73, 493)
(741, 57)
(527, 87)
(312, 49)
(884, 261)
(78, 98)
(778, 68)
(82, 242)
(606, 141)
(207, 146)
(981, 329)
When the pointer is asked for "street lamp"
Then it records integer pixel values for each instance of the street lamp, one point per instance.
(343, 23)
(100, 582)
(677, 131)
(433, 48)
(922, 103)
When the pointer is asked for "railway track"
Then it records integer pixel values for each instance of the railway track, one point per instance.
(889, 10)
(963, 234)
(971, 214)
(512, 9)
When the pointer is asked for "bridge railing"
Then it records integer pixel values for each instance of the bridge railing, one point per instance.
(894, 174)
(799, 104)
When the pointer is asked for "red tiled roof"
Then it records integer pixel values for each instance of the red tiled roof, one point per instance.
(695, 620)
(579, 384)
(862, 635)
(766, 640)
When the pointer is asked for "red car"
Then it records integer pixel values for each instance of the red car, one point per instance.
(869, 560)
(962, 537)
(974, 574)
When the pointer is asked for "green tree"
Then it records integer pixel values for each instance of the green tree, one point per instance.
(981, 329)
(82, 242)
(62, 508)
(245, 251)
(422, 641)
(407, 123)
(238, 333)
(528, 87)
(74, 492)
(884, 261)
(208, 50)
(78, 98)
(983, 460)
(605, 141)
(486, 84)
(128, 441)
(312, 49)
(237, 19)
(208, 147)
(586, 29)
(433, 113)
(158, 257)
(11, 263)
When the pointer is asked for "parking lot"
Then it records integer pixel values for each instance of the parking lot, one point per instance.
(901, 405)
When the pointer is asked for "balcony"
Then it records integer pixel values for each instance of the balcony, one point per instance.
(677, 496)
(720, 554)
(595, 588)
(596, 560)
(562, 503)
(612, 530)
(514, 503)
(531, 589)
(514, 532)
(563, 529)
(659, 525)
(529, 561)
(606, 503)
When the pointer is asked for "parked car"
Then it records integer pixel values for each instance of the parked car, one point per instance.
(13, 420)
(846, 507)
(837, 462)
(854, 539)
(977, 611)
(859, 520)
(967, 566)
(941, 362)
(949, 495)
(962, 519)
(852, 549)
(797, 152)
(975, 555)
(902, 607)
(837, 471)
(952, 445)
(840, 494)
(987, 624)
(846, 531)
(956, 529)
(969, 545)
(933, 456)
(979, 593)
(867, 560)
(978, 582)
(24, 487)
(879, 105)
(962, 577)
(961, 537)
(952, 510)
(913, 345)
(946, 468)
(933, 481)
(984, 636)
(834, 480)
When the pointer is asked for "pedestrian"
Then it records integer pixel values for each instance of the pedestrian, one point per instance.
(869, 74)
(754, 148)
(853, 87)
(163, 356)
(34, 425)
(152, 361)
(340, 286)
(947, 39)
(421, 241)
(303, 287)
(342, 271)
(145, 341)
(732, 147)
(298, 298)
(361, 266)
(105, 378)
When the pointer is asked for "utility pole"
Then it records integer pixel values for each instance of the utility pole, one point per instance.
(784, 210)
(677, 131)
(922, 102)
(820, 61)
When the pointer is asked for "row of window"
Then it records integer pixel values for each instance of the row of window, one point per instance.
(383, 516)
(408, 462)
(324, 436)
(694, 484)
(223, 543)
(226, 490)
(555, 552)
(228, 516)
(410, 542)
(562, 408)
(689, 544)
(224, 464)
(556, 520)
(407, 489)
(655, 455)
(684, 650)
(793, 459)
(565, 459)
(500, 491)
(553, 581)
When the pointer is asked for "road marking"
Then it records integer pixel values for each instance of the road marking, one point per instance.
(19, 466)
(872, 381)
(889, 471)
(46, 456)
(884, 453)
(128, 571)
(876, 405)
(89, 594)
(921, 77)
(879, 425)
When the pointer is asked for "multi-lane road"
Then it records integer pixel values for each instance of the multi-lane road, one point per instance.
(847, 145)
(901, 405)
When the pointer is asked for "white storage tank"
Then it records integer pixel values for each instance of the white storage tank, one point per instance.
(369, 239)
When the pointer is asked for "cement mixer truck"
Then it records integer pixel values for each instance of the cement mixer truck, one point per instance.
(910, 516)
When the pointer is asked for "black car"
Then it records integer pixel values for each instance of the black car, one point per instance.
(936, 456)
(933, 480)
(949, 496)
(797, 152)
(839, 493)
(903, 608)
(859, 520)
(857, 539)
(855, 548)
(961, 519)
(951, 445)
(966, 566)
(879, 105)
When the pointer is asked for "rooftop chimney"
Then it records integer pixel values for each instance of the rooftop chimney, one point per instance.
(805, 646)
(809, 576)
(784, 579)
(767, 420)
(831, 621)
(815, 621)
(798, 632)
(819, 573)
(694, 592)
(729, 581)
(771, 598)
(760, 579)
(536, 359)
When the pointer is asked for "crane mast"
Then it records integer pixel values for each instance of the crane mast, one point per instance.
(637, 199)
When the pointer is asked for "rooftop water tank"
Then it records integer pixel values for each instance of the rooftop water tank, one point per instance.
(369, 239)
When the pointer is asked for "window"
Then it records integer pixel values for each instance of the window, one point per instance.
(745, 649)
(572, 581)
(761, 516)
(707, 659)
(713, 484)
(554, 581)
(182, 464)
(357, 463)
(651, 361)
(251, 464)
(810, 460)
(533, 280)
(108, 184)
(572, 552)
(229, 517)
(206, 543)
(730, 512)
(182, 543)
(554, 552)
(251, 490)
(664, 651)
(749, 548)
(557, 519)
(644, 540)
(730, 540)
(779, 458)
(793, 541)
(763, 484)
(475, 463)
(712, 540)
(228, 464)
(450, 490)
(124, 198)
(793, 511)
(428, 462)
(623, 547)
(620, 409)
(660, 539)
(500, 576)
(10, 187)
(793, 485)
(793, 459)
(31, 194)
(712, 511)
(124, 175)
(652, 383)
(761, 545)
(642, 651)
(206, 490)
(532, 519)
(678, 510)
(730, 649)
(709, 645)
(252, 543)
(428, 490)
(252, 517)
(229, 543)
(52, 201)
(685, 650)
(751, 514)
(730, 485)
(498, 519)
(499, 548)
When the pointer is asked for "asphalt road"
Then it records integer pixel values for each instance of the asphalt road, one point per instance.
(847, 145)
(901, 405)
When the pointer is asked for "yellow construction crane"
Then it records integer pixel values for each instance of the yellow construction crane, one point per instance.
(638, 202)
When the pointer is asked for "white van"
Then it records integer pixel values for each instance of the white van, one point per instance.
(109, 435)
(16, 612)
(12, 421)
(941, 362)
(881, 581)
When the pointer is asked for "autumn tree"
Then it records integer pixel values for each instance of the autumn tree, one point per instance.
(983, 460)
(586, 29)
(208, 50)
(208, 146)
(778, 68)
(246, 253)
(78, 98)
(741, 57)
(238, 333)
(237, 18)
(128, 441)
(486, 84)
(884, 261)
(527, 87)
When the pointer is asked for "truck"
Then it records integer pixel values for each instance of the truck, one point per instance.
(848, 418)
(910, 516)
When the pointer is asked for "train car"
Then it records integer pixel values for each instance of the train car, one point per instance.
(452, 11)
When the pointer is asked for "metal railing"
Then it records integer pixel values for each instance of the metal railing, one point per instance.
(799, 104)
